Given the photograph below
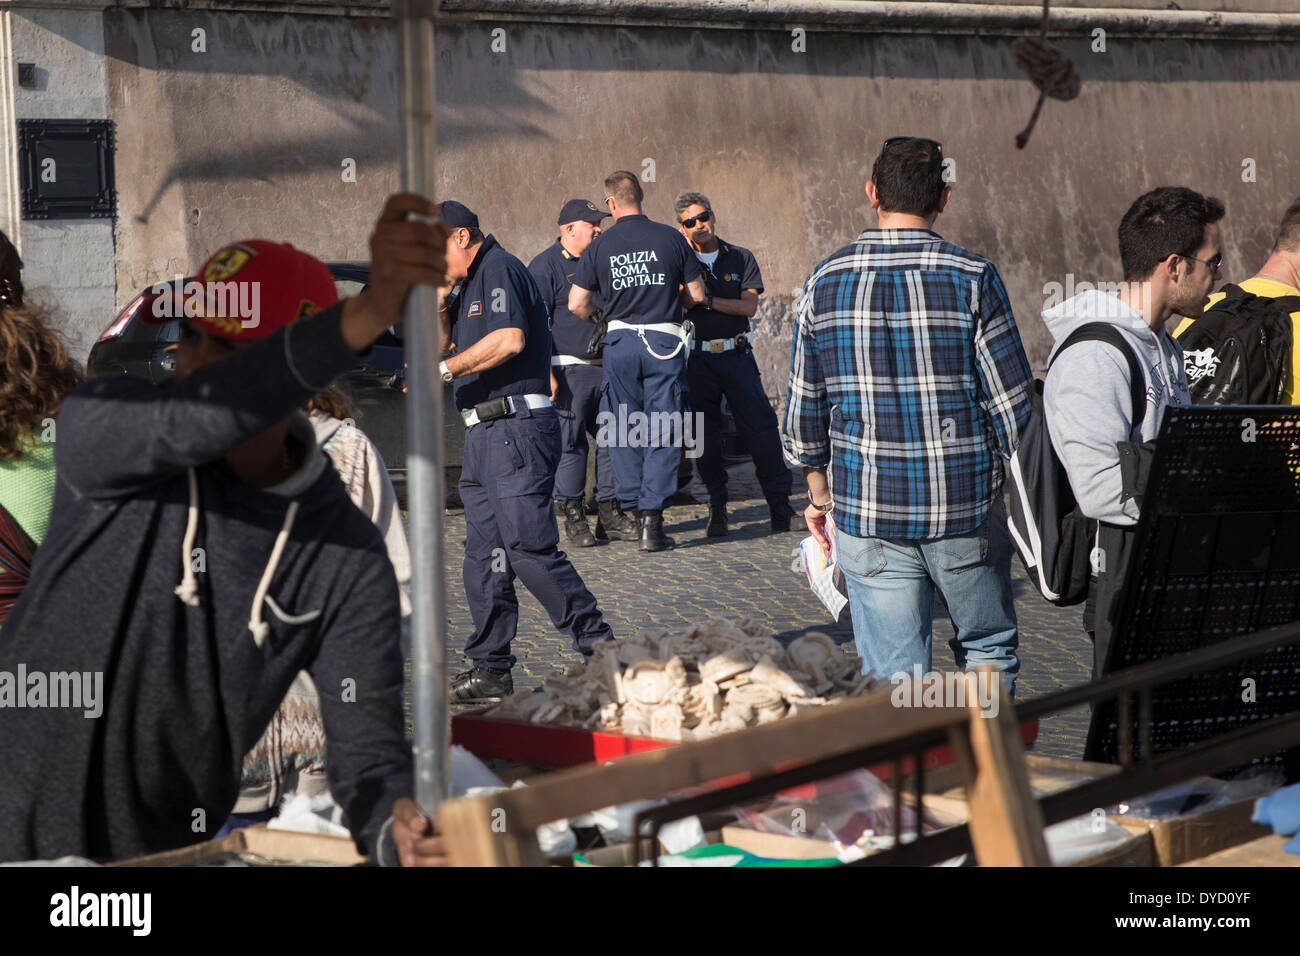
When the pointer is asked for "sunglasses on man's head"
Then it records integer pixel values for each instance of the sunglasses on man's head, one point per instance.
(702, 217)
(938, 148)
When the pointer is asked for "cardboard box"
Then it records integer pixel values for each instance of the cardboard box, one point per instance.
(1266, 851)
(282, 845)
(1196, 835)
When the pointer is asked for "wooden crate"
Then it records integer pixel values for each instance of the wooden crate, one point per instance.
(1006, 825)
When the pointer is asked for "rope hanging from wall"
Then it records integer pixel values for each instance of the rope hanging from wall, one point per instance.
(1050, 69)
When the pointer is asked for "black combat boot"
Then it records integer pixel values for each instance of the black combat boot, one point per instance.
(616, 525)
(576, 528)
(652, 532)
(717, 520)
(481, 686)
(782, 514)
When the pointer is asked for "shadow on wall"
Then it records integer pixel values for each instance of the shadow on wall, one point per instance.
(781, 141)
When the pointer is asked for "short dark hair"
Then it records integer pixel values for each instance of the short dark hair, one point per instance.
(475, 235)
(686, 200)
(1167, 221)
(625, 187)
(1288, 233)
(908, 175)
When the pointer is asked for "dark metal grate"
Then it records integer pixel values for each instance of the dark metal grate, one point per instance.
(1217, 555)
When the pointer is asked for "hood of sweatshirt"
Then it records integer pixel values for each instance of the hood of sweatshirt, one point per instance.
(1089, 410)
(1096, 306)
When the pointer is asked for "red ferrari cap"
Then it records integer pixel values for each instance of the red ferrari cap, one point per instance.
(247, 290)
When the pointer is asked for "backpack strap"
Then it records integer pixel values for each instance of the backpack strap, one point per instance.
(1236, 294)
(1105, 332)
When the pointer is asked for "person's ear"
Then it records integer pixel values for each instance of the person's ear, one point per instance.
(872, 196)
(944, 196)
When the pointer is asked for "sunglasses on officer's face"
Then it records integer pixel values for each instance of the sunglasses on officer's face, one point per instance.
(702, 217)
(938, 148)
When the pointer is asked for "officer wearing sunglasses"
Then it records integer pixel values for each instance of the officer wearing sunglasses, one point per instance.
(722, 365)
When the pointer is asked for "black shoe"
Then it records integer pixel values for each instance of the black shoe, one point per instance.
(717, 520)
(652, 532)
(782, 514)
(614, 524)
(480, 686)
(576, 528)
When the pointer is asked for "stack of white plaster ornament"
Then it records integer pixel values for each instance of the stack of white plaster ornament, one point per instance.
(713, 678)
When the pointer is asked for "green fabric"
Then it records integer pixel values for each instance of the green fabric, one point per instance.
(27, 489)
(720, 854)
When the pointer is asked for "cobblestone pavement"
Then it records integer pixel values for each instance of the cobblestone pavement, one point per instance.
(747, 574)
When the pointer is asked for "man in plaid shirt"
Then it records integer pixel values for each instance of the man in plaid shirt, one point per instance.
(908, 383)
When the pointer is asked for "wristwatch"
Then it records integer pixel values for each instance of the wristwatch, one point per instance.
(709, 304)
(446, 372)
(826, 507)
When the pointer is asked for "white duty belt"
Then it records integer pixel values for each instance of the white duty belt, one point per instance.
(724, 345)
(572, 360)
(685, 333)
(531, 401)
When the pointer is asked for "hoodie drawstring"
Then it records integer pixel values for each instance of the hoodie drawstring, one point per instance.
(259, 627)
(188, 589)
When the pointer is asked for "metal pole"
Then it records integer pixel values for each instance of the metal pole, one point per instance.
(424, 450)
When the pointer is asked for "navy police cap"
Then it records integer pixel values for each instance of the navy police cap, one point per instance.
(456, 215)
(580, 210)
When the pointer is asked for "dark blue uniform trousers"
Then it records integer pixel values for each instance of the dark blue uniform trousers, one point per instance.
(506, 483)
(577, 401)
(735, 375)
(637, 386)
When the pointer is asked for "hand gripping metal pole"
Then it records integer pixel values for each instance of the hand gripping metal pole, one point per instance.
(424, 458)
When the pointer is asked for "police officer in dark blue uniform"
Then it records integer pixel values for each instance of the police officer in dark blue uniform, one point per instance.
(722, 364)
(638, 268)
(576, 379)
(500, 329)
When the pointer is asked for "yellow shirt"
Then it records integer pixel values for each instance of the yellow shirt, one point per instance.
(1258, 285)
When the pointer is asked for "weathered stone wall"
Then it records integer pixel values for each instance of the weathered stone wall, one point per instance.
(250, 138)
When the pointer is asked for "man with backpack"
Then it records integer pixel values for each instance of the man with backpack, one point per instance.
(1242, 351)
(1169, 248)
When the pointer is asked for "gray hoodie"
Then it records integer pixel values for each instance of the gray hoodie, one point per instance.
(1087, 401)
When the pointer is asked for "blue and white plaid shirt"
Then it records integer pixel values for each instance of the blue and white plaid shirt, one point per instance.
(907, 378)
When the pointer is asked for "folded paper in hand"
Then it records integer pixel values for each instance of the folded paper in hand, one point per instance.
(826, 580)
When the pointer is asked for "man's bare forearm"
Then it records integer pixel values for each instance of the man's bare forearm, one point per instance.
(488, 352)
(444, 328)
(745, 306)
(581, 302)
(818, 487)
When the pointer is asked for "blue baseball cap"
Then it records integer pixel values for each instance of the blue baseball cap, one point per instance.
(456, 215)
(580, 210)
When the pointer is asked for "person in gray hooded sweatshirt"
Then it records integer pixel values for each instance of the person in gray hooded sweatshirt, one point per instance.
(1170, 250)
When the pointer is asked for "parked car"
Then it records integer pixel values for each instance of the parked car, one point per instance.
(132, 347)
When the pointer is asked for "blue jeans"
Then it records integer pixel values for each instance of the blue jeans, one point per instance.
(891, 590)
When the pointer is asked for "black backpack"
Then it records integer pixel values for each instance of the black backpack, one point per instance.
(1053, 537)
(1239, 351)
